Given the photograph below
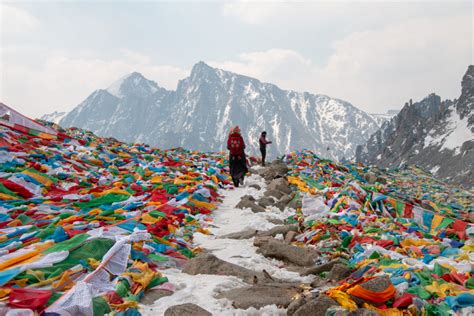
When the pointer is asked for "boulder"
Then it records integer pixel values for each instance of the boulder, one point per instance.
(316, 307)
(280, 184)
(245, 234)
(260, 171)
(364, 312)
(318, 282)
(280, 229)
(375, 285)
(257, 208)
(261, 295)
(295, 203)
(266, 201)
(281, 205)
(260, 240)
(151, 296)
(248, 201)
(279, 168)
(255, 186)
(187, 309)
(322, 268)
(275, 170)
(270, 247)
(290, 236)
(269, 176)
(294, 305)
(275, 193)
(248, 197)
(276, 221)
(370, 177)
(286, 198)
(206, 263)
(339, 272)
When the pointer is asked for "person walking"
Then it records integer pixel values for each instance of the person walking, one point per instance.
(263, 146)
(237, 161)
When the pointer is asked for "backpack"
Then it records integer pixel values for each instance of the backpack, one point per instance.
(236, 145)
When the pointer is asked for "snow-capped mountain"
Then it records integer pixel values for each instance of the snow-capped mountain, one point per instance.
(54, 117)
(199, 114)
(436, 135)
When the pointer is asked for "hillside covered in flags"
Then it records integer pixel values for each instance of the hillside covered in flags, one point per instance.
(89, 225)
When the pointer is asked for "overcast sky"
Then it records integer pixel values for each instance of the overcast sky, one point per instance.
(376, 54)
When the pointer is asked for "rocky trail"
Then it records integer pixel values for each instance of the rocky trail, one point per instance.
(253, 262)
(247, 266)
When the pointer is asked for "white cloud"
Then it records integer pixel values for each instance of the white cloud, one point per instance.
(60, 83)
(282, 66)
(397, 54)
(384, 68)
(375, 70)
(350, 12)
(253, 12)
(285, 12)
(15, 20)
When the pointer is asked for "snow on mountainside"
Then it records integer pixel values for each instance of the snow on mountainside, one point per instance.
(436, 135)
(133, 84)
(199, 114)
(54, 117)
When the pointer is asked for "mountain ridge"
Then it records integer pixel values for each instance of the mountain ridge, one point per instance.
(435, 134)
(53, 117)
(200, 112)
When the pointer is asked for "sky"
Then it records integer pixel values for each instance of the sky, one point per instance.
(376, 55)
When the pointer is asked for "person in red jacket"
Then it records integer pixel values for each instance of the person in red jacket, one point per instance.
(263, 146)
(237, 161)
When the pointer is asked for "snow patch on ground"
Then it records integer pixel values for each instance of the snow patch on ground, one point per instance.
(203, 290)
(228, 219)
(244, 253)
(196, 289)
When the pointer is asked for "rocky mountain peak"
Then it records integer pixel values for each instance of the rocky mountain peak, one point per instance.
(465, 106)
(201, 70)
(203, 79)
(467, 83)
(134, 84)
(429, 106)
(201, 66)
(433, 134)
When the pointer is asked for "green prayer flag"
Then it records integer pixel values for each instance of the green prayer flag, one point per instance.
(103, 200)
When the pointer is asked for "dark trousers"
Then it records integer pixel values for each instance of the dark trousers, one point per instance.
(238, 168)
(263, 151)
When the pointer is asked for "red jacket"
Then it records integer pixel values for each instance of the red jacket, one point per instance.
(236, 144)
